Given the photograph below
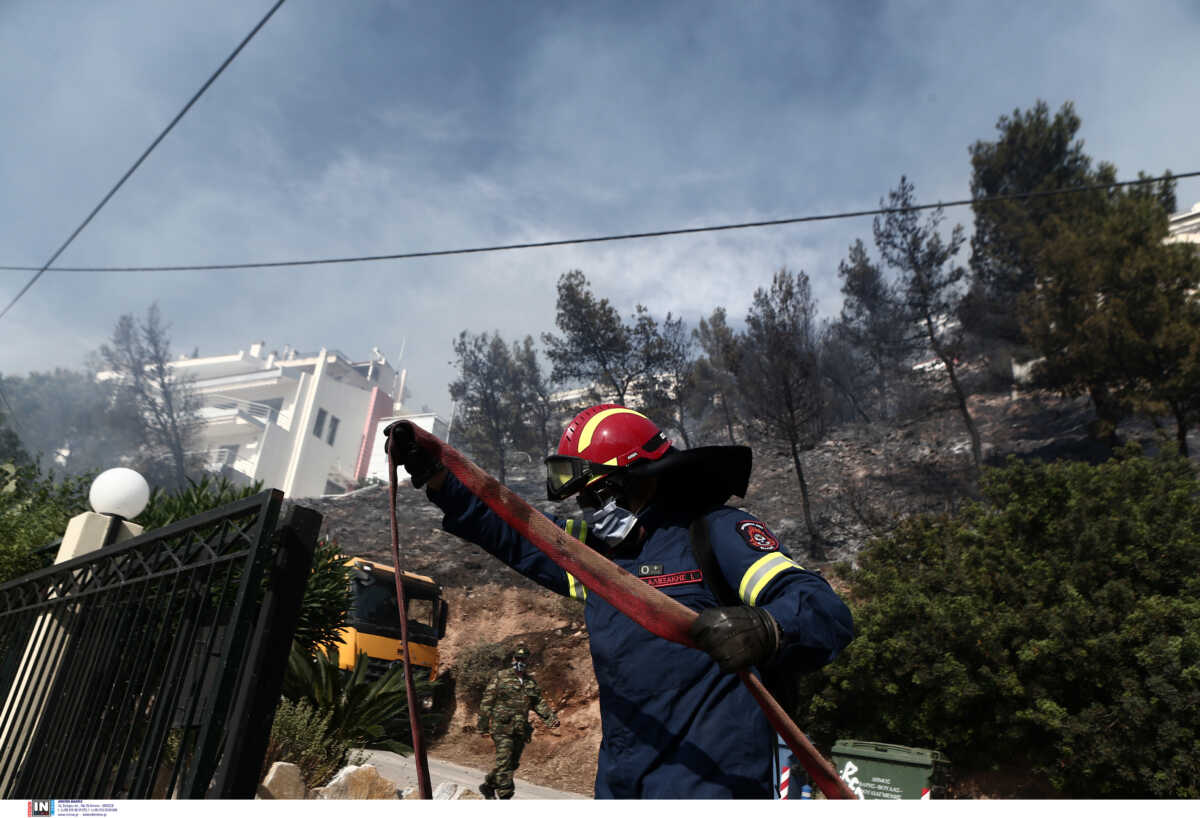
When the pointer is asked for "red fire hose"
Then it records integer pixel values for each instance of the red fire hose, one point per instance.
(414, 719)
(649, 607)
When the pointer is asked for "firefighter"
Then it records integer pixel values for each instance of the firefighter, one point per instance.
(676, 722)
(504, 713)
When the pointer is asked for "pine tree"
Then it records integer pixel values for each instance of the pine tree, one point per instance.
(930, 286)
(779, 376)
(1115, 312)
(596, 346)
(716, 398)
(1032, 153)
(487, 397)
(873, 324)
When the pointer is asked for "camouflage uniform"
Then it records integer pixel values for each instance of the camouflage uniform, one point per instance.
(504, 713)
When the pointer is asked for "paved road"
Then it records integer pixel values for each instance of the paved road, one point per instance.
(401, 770)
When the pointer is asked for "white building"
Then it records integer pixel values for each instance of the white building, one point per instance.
(1185, 227)
(306, 423)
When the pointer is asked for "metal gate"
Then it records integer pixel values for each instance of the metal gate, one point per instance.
(151, 669)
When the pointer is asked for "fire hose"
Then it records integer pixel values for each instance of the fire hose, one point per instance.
(649, 607)
(414, 720)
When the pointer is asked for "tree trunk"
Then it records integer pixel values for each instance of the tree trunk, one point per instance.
(728, 418)
(972, 431)
(177, 454)
(174, 435)
(1181, 430)
(682, 431)
(499, 447)
(1108, 416)
(816, 548)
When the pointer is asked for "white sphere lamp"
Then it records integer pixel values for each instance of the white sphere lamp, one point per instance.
(119, 492)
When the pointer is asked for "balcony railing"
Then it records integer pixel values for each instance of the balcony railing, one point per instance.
(259, 410)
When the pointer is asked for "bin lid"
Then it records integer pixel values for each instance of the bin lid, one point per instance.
(894, 753)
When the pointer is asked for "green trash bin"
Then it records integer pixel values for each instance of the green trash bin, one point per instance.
(876, 770)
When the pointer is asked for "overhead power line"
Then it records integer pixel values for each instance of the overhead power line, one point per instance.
(137, 164)
(618, 237)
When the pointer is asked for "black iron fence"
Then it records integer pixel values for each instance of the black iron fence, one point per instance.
(151, 669)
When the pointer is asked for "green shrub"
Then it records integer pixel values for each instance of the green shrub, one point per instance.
(34, 510)
(300, 735)
(326, 599)
(205, 494)
(1057, 623)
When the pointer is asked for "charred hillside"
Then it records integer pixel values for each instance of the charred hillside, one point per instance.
(863, 478)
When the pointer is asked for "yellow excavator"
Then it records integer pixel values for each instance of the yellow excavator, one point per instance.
(373, 621)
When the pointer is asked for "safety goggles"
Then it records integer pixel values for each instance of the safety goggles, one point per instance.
(566, 475)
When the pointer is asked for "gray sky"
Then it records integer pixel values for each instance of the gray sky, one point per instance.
(367, 127)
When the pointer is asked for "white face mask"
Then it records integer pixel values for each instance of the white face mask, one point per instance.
(610, 523)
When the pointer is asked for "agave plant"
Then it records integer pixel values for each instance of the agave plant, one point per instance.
(368, 714)
(326, 599)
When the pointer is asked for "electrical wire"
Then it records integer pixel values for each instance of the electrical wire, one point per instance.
(141, 159)
(618, 237)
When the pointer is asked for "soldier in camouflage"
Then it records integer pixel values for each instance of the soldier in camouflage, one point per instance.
(504, 712)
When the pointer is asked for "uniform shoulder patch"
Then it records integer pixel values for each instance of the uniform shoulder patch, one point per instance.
(757, 536)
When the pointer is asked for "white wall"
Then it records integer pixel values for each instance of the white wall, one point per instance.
(318, 458)
(378, 467)
(274, 450)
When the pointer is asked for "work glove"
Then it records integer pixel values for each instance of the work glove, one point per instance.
(418, 462)
(736, 636)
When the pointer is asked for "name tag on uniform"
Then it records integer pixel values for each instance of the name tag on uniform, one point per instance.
(679, 578)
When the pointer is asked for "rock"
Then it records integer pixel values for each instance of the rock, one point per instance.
(283, 781)
(446, 791)
(357, 784)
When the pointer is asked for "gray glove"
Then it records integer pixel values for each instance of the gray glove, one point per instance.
(736, 636)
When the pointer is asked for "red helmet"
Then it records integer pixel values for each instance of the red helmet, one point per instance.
(599, 441)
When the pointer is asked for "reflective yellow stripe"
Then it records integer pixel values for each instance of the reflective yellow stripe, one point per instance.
(577, 529)
(576, 588)
(760, 574)
(589, 428)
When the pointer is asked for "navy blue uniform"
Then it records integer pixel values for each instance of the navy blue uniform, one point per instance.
(674, 725)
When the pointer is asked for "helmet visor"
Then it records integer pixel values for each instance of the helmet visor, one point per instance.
(566, 475)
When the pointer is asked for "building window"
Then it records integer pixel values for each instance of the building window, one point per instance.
(320, 427)
(333, 424)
